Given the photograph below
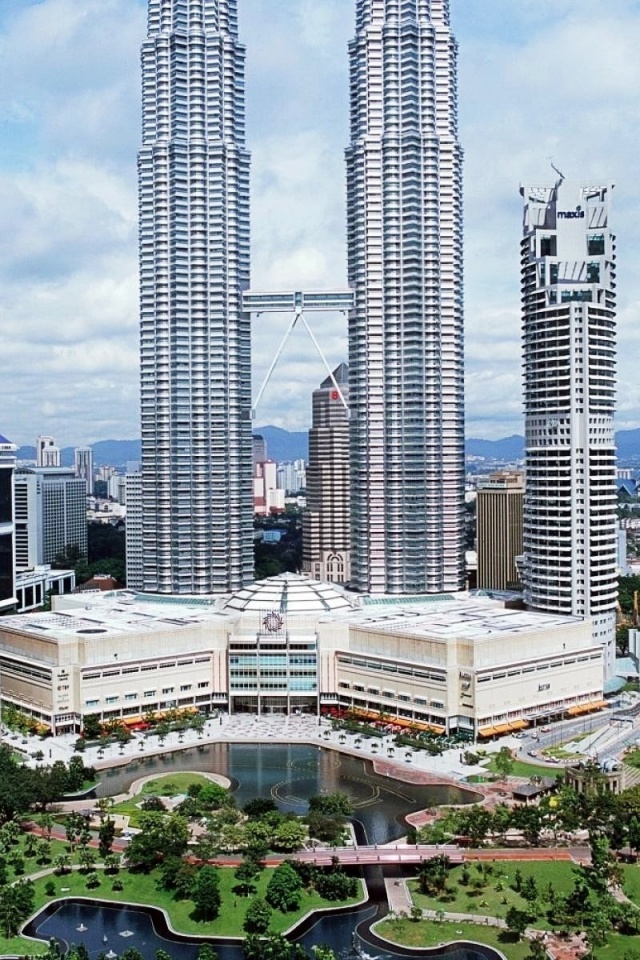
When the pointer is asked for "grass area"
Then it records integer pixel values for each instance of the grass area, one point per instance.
(521, 769)
(144, 888)
(632, 758)
(617, 948)
(497, 894)
(631, 881)
(426, 933)
(561, 753)
(170, 785)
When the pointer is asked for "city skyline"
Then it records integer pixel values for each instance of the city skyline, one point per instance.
(70, 129)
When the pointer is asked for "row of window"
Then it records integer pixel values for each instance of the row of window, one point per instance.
(394, 668)
(538, 668)
(391, 695)
(144, 668)
(134, 694)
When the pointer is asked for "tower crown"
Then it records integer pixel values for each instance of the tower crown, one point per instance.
(186, 16)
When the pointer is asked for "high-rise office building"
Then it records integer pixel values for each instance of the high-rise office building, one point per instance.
(47, 453)
(499, 507)
(569, 328)
(7, 529)
(83, 465)
(133, 531)
(194, 264)
(50, 515)
(404, 229)
(326, 535)
(259, 449)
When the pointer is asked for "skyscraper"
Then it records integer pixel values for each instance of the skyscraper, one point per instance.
(194, 264)
(326, 537)
(499, 508)
(83, 465)
(50, 515)
(47, 453)
(404, 229)
(568, 292)
(7, 529)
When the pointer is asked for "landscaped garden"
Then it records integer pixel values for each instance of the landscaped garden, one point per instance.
(403, 930)
(165, 861)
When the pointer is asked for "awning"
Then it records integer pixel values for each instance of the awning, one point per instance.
(403, 722)
(486, 731)
(580, 708)
(518, 724)
(502, 727)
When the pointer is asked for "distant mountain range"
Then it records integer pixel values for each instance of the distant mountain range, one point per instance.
(285, 445)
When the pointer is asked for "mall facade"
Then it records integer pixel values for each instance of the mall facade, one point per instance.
(289, 644)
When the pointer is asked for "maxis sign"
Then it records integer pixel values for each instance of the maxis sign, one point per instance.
(571, 214)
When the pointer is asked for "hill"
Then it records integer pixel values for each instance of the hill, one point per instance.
(285, 445)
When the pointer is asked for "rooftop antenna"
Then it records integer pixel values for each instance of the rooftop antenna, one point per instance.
(553, 167)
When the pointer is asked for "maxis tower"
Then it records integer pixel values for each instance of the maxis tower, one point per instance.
(195, 339)
(404, 225)
(569, 332)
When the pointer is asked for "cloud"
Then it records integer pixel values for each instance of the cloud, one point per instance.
(538, 78)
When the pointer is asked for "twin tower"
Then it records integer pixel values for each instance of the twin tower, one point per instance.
(404, 252)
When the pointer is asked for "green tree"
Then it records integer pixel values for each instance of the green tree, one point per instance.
(206, 952)
(161, 836)
(503, 762)
(335, 885)
(604, 868)
(433, 874)
(259, 807)
(245, 875)
(205, 893)
(331, 804)
(517, 921)
(284, 890)
(106, 834)
(537, 950)
(257, 917)
(288, 836)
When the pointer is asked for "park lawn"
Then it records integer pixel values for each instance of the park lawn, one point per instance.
(144, 888)
(57, 848)
(616, 948)
(631, 882)
(429, 933)
(169, 785)
(488, 901)
(521, 769)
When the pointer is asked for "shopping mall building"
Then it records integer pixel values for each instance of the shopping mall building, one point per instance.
(289, 644)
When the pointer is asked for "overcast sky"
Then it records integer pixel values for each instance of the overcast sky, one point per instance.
(538, 78)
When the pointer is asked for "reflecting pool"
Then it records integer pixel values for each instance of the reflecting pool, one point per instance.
(291, 773)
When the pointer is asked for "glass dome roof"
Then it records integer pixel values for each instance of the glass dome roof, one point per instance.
(293, 594)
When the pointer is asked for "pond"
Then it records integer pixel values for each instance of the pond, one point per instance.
(291, 773)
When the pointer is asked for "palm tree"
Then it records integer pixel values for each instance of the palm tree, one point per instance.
(46, 821)
(62, 863)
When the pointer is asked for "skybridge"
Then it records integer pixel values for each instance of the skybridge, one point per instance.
(297, 303)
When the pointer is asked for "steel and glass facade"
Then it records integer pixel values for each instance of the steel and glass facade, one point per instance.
(404, 222)
(195, 337)
(569, 340)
